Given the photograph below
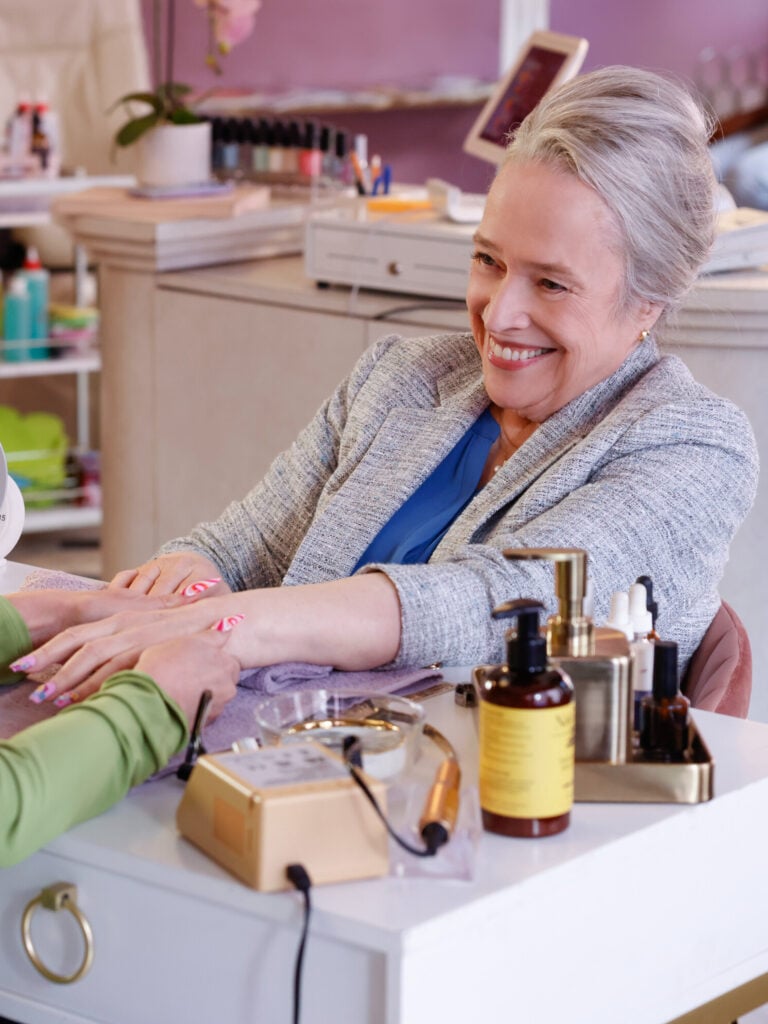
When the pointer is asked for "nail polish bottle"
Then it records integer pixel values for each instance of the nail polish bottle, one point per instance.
(327, 149)
(229, 149)
(665, 728)
(276, 141)
(217, 144)
(259, 147)
(527, 734)
(342, 168)
(310, 155)
(292, 150)
(244, 147)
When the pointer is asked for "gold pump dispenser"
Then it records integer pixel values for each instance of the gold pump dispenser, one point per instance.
(597, 660)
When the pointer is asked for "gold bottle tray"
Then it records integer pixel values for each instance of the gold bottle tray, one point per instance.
(651, 782)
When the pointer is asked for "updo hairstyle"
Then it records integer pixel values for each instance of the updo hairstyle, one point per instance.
(640, 140)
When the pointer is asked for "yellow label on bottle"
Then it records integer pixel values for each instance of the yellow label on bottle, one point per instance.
(527, 760)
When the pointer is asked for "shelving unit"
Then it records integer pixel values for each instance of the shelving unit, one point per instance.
(26, 204)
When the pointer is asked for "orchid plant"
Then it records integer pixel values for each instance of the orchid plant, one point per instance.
(229, 23)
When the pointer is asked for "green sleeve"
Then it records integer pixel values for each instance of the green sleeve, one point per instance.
(78, 763)
(14, 641)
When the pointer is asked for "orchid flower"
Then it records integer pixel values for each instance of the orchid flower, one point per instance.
(230, 22)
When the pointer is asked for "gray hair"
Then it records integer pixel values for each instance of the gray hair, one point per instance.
(639, 139)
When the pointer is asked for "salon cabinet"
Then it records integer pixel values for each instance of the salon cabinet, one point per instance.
(25, 204)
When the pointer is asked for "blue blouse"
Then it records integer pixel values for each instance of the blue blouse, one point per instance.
(418, 526)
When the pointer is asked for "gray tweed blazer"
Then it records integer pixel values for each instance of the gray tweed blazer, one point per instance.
(648, 471)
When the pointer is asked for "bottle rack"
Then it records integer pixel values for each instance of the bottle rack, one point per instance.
(65, 512)
(25, 203)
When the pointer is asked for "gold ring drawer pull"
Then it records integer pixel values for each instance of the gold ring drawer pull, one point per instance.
(61, 896)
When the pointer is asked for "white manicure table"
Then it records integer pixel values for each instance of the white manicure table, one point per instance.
(638, 913)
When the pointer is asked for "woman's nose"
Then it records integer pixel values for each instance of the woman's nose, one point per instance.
(507, 307)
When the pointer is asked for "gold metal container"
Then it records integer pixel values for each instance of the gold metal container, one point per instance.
(690, 781)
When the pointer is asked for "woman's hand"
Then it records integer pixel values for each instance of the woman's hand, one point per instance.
(48, 612)
(186, 666)
(169, 574)
(90, 653)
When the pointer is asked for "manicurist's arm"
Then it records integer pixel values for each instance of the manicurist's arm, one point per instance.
(77, 764)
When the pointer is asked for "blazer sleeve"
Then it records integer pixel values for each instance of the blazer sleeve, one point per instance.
(254, 540)
(666, 499)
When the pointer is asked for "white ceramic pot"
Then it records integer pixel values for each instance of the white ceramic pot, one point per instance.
(175, 154)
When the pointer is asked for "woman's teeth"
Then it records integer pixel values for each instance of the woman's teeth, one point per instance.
(514, 354)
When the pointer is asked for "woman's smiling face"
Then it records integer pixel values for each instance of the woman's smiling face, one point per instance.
(544, 291)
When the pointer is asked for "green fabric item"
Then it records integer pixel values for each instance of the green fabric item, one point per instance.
(41, 433)
(14, 641)
(75, 765)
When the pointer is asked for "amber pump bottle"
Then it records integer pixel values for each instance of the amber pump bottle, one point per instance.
(665, 729)
(527, 730)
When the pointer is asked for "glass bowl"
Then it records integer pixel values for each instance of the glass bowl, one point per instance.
(389, 727)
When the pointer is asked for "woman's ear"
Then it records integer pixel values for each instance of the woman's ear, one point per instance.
(648, 313)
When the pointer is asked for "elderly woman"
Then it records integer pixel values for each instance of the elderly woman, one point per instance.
(377, 537)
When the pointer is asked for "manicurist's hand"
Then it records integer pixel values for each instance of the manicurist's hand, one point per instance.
(184, 572)
(48, 612)
(186, 666)
(90, 653)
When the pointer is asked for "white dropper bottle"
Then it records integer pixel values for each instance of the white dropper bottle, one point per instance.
(618, 616)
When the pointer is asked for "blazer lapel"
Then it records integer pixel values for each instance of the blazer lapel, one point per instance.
(409, 444)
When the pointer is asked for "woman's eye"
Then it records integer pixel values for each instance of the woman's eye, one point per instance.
(483, 258)
(551, 286)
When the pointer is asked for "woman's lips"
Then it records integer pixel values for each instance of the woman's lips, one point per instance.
(513, 357)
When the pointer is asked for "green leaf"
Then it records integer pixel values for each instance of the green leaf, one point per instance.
(183, 115)
(150, 98)
(133, 130)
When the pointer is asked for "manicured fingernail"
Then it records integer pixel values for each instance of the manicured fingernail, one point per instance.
(199, 587)
(23, 664)
(64, 700)
(229, 622)
(42, 693)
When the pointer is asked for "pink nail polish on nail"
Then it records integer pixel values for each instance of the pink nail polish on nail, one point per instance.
(63, 701)
(23, 664)
(200, 587)
(42, 692)
(229, 622)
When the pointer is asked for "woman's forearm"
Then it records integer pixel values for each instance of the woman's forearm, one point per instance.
(350, 623)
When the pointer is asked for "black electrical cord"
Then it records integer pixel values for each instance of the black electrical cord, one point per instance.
(298, 876)
(433, 834)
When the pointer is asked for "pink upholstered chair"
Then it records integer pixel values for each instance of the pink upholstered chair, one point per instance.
(719, 676)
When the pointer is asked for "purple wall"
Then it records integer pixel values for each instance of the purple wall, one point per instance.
(320, 44)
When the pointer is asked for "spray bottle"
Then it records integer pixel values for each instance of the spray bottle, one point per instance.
(527, 725)
(37, 278)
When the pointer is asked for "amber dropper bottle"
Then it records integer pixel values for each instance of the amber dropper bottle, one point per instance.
(665, 730)
(527, 734)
